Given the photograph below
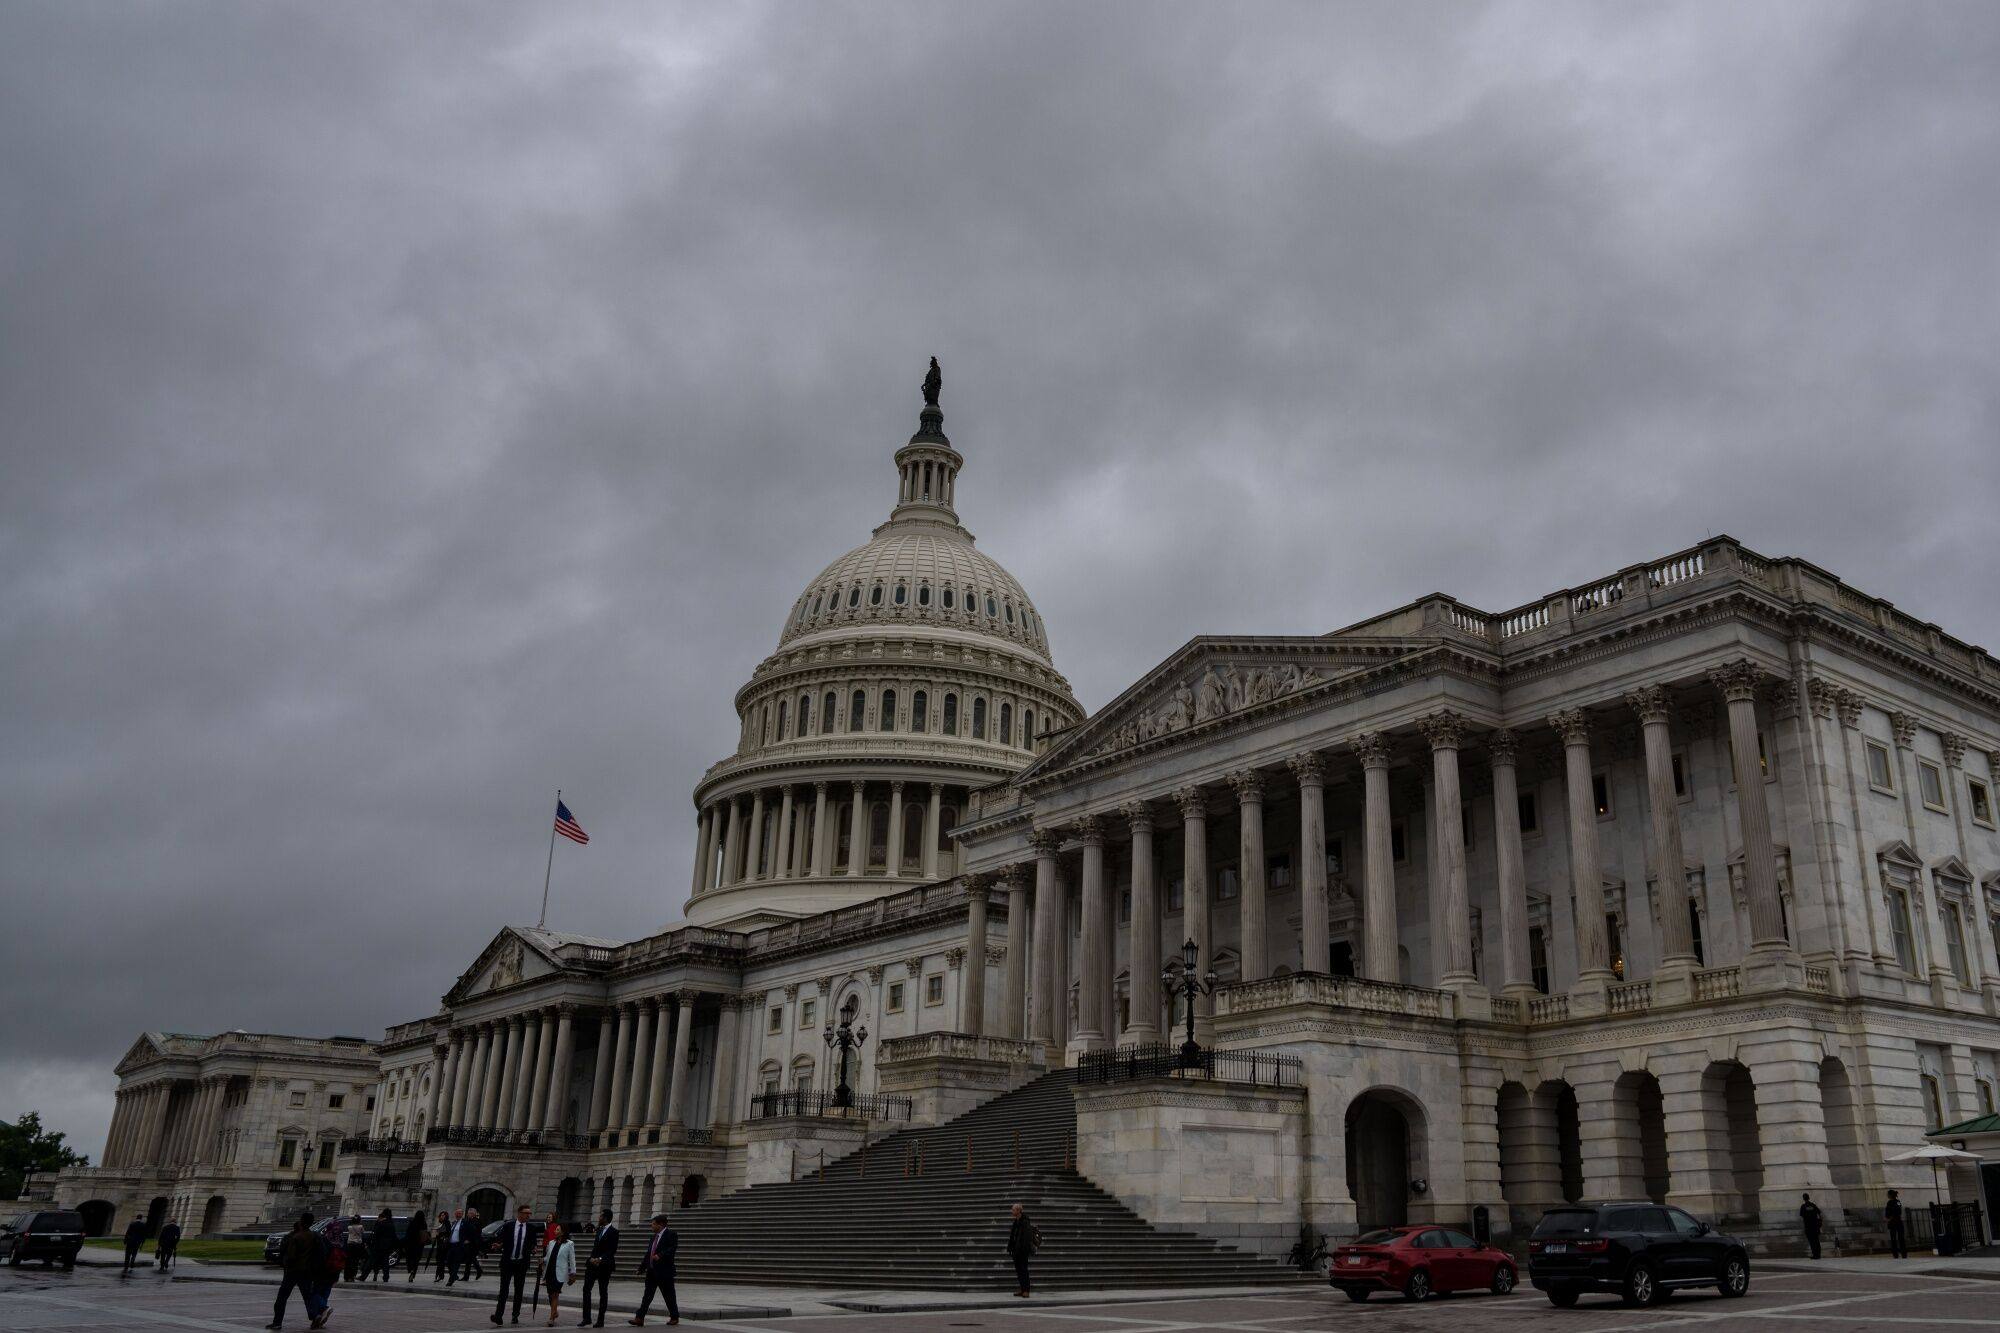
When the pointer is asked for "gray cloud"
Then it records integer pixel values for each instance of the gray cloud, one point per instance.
(410, 409)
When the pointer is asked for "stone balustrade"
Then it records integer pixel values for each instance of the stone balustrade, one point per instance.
(1717, 983)
(1376, 997)
(955, 1046)
(1819, 980)
(1631, 997)
(1548, 1009)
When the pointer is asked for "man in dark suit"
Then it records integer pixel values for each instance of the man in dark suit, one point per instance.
(135, 1236)
(658, 1269)
(517, 1256)
(168, 1241)
(597, 1268)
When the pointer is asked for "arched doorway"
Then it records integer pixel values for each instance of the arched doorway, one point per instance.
(97, 1215)
(489, 1202)
(1642, 1134)
(692, 1188)
(1730, 1131)
(212, 1214)
(156, 1212)
(569, 1193)
(1843, 1132)
(1385, 1153)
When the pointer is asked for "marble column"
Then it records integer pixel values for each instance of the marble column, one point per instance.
(722, 1089)
(972, 985)
(663, 1062)
(684, 1001)
(857, 832)
(621, 1068)
(1014, 980)
(498, 1058)
(1445, 731)
(1516, 977)
(477, 1089)
(564, 1064)
(1144, 996)
(1738, 683)
(528, 1035)
(1315, 933)
(1093, 978)
(822, 840)
(116, 1137)
(455, 1105)
(642, 1043)
(440, 1058)
(1378, 893)
(893, 862)
(731, 816)
(932, 832)
(753, 854)
(600, 1082)
(1593, 947)
(704, 850)
(1193, 802)
(1050, 991)
(785, 816)
(545, 1058)
(1654, 706)
(1255, 944)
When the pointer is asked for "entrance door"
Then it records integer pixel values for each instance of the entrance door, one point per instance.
(1378, 1162)
(691, 1190)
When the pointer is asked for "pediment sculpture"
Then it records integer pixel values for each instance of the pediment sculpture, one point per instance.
(507, 967)
(1217, 692)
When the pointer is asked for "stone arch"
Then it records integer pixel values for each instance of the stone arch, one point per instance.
(569, 1195)
(1729, 1137)
(1387, 1150)
(489, 1200)
(1639, 1110)
(212, 1214)
(97, 1216)
(1844, 1155)
(693, 1188)
(156, 1211)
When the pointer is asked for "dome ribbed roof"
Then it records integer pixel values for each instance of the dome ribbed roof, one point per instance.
(919, 573)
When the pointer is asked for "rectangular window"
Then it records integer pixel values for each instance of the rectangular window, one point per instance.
(1982, 801)
(777, 1023)
(1954, 943)
(1930, 784)
(1995, 924)
(1615, 944)
(1399, 846)
(1176, 893)
(895, 997)
(1680, 774)
(1336, 858)
(1531, 821)
(1899, 930)
(288, 1151)
(1225, 884)
(298, 1098)
(1881, 775)
(335, 1100)
(1340, 958)
(1278, 872)
(371, 1101)
(1694, 932)
(1538, 959)
(325, 1155)
(808, 1012)
(1600, 793)
(934, 988)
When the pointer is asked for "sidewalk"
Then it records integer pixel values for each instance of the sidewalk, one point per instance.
(1985, 1265)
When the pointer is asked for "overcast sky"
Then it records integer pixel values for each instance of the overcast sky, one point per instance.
(406, 410)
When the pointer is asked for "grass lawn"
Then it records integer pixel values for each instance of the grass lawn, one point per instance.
(191, 1249)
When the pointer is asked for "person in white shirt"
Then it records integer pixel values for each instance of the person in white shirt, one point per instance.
(517, 1255)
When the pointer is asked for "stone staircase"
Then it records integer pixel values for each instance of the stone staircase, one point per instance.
(871, 1219)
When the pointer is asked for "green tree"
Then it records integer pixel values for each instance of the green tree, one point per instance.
(25, 1146)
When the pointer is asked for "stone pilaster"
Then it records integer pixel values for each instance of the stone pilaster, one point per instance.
(1378, 906)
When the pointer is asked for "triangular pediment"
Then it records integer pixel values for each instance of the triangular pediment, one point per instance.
(141, 1053)
(1952, 868)
(1901, 853)
(511, 958)
(1210, 681)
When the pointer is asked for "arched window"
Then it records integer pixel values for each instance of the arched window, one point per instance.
(947, 597)
(992, 607)
(854, 597)
(805, 715)
(1006, 724)
(902, 593)
(875, 595)
(878, 834)
(947, 818)
(979, 719)
(1933, 1103)
(971, 603)
(802, 612)
(765, 730)
(920, 714)
(827, 707)
(888, 722)
(1009, 606)
(816, 602)
(913, 841)
(923, 594)
(857, 710)
(783, 714)
(951, 715)
(1027, 728)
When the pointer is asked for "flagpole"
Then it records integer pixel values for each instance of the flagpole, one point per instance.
(543, 921)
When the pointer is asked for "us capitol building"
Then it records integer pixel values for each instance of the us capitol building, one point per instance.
(1684, 884)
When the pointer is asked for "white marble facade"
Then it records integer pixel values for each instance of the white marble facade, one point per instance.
(1424, 855)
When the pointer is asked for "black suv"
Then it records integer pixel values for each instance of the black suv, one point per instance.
(1642, 1251)
(52, 1237)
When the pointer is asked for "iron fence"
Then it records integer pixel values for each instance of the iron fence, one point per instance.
(814, 1102)
(380, 1147)
(1159, 1060)
(472, 1136)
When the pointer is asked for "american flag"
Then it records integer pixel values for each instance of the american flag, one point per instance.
(567, 826)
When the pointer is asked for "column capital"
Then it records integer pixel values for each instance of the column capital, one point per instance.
(860, 785)
(1193, 801)
(1249, 785)
(1954, 749)
(1737, 681)
(566, 1009)
(1138, 815)
(1372, 747)
(1651, 702)
(954, 957)
(819, 787)
(1849, 705)
(896, 786)
(1089, 831)
(1444, 729)
(687, 997)
(653, 1003)
(1045, 841)
(1502, 747)
(1906, 730)
(875, 971)
(1016, 877)
(1309, 768)
(1572, 724)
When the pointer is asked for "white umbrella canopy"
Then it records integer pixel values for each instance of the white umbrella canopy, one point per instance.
(1937, 1155)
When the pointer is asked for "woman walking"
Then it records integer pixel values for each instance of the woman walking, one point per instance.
(558, 1266)
(415, 1236)
(443, 1246)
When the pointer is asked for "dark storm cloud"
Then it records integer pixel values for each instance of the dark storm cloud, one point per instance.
(407, 409)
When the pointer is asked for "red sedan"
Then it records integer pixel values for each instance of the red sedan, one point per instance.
(1418, 1262)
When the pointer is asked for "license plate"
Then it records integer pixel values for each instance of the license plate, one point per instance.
(1555, 1249)
(1355, 1261)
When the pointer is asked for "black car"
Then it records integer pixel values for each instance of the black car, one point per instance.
(276, 1240)
(53, 1237)
(1640, 1250)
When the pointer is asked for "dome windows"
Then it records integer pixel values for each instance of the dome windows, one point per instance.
(875, 595)
(854, 597)
(992, 607)
(888, 710)
(827, 706)
(816, 601)
(923, 594)
(979, 719)
(1010, 612)
(920, 715)
(1027, 728)
(902, 593)
(951, 715)
(857, 710)
(805, 715)
(947, 596)
(1006, 724)
(783, 714)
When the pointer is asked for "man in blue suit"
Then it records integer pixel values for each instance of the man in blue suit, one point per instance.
(597, 1268)
(658, 1267)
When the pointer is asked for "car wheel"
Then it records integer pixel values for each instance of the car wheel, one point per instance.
(1640, 1288)
(14, 1257)
(1356, 1294)
(1503, 1279)
(1562, 1297)
(1735, 1276)
(1418, 1287)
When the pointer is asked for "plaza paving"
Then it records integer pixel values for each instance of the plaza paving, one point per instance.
(94, 1299)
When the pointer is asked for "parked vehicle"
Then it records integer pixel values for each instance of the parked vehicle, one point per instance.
(54, 1237)
(277, 1238)
(1419, 1262)
(1642, 1251)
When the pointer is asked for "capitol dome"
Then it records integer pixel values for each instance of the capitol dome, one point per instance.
(911, 670)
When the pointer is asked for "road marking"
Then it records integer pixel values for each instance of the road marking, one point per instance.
(1738, 1312)
(129, 1312)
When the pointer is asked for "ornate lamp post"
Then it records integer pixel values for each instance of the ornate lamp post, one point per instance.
(844, 1038)
(1189, 986)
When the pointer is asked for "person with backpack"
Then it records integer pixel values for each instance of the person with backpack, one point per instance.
(1023, 1239)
